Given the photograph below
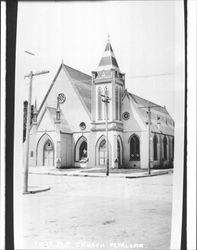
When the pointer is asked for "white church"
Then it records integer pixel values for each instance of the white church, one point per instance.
(69, 129)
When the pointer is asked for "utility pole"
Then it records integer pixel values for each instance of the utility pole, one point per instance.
(149, 123)
(149, 132)
(30, 76)
(106, 101)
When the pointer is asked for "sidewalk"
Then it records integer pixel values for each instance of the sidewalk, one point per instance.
(98, 172)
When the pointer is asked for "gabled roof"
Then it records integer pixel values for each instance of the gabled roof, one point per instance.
(82, 82)
(145, 103)
(108, 60)
(158, 111)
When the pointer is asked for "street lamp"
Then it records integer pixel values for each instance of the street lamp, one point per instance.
(106, 101)
(31, 75)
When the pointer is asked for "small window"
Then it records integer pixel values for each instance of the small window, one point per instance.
(32, 154)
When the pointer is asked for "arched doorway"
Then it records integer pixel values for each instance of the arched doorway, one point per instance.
(48, 152)
(83, 151)
(45, 151)
(102, 153)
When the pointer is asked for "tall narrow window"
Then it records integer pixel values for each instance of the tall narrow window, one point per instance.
(165, 148)
(107, 94)
(83, 150)
(134, 148)
(99, 103)
(116, 99)
(120, 103)
(173, 148)
(155, 141)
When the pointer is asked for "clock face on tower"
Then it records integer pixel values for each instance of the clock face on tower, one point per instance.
(61, 98)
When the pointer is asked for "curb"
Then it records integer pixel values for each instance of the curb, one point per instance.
(40, 189)
(146, 175)
(114, 175)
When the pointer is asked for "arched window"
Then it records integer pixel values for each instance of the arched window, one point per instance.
(155, 141)
(165, 148)
(99, 103)
(107, 94)
(134, 148)
(48, 145)
(83, 150)
(120, 103)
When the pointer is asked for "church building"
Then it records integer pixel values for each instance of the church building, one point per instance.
(69, 128)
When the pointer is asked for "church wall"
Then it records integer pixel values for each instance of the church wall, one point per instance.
(46, 123)
(76, 138)
(37, 144)
(94, 144)
(66, 150)
(143, 162)
(161, 162)
(132, 126)
(73, 109)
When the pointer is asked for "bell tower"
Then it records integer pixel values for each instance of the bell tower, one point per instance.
(107, 79)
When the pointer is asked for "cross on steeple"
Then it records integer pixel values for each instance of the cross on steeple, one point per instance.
(108, 37)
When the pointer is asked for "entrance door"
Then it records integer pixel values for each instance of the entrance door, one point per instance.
(102, 153)
(48, 154)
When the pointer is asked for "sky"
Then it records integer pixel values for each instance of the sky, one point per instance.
(143, 35)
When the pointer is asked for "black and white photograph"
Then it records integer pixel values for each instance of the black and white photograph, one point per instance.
(99, 125)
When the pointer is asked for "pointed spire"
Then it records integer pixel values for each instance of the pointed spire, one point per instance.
(108, 60)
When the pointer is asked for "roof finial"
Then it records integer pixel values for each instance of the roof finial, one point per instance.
(62, 61)
(108, 37)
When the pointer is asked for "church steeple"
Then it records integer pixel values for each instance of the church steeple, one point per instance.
(107, 79)
(108, 60)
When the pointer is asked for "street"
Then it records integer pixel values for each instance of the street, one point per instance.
(98, 213)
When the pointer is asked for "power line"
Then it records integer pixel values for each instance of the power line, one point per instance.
(146, 76)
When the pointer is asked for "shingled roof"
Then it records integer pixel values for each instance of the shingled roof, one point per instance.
(145, 103)
(108, 60)
(166, 121)
(82, 83)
